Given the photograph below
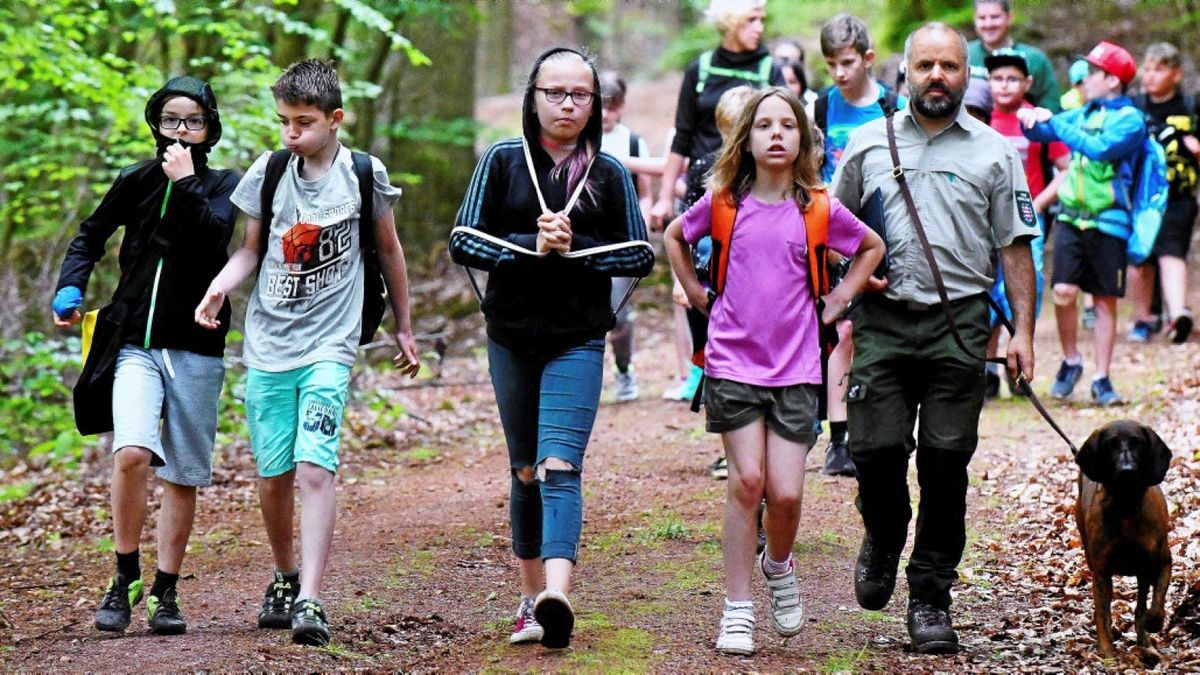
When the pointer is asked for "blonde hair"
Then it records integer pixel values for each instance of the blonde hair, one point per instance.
(734, 170)
(726, 15)
(730, 105)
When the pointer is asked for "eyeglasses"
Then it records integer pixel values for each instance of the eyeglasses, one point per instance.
(581, 98)
(191, 123)
(1002, 79)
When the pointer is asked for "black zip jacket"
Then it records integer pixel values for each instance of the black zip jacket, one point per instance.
(198, 224)
(696, 132)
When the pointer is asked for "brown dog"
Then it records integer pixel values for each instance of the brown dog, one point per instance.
(1123, 522)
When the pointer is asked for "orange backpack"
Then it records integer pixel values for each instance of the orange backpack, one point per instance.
(816, 228)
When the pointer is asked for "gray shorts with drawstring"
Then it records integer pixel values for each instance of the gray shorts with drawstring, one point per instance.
(165, 400)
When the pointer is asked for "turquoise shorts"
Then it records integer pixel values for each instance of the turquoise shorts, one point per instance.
(296, 416)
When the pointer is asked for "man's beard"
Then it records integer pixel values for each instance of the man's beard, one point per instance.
(936, 108)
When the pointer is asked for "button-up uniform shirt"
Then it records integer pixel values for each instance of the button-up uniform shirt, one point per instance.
(970, 191)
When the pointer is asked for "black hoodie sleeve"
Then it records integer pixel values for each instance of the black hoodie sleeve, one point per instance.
(477, 212)
(88, 246)
(201, 219)
(623, 221)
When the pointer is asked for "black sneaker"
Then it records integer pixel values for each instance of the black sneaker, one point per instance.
(163, 614)
(931, 629)
(309, 625)
(837, 460)
(553, 611)
(1181, 328)
(874, 574)
(276, 609)
(991, 388)
(116, 607)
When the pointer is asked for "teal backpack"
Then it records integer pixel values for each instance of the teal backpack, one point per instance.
(1149, 200)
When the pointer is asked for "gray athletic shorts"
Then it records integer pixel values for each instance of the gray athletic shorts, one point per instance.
(789, 411)
(165, 400)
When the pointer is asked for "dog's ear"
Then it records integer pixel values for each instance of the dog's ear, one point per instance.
(1154, 457)
(1093, 461)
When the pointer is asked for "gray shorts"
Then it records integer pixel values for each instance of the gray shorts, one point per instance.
(165, 400)
(790, 411)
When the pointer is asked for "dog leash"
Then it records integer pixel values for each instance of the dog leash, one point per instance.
(1022, 381)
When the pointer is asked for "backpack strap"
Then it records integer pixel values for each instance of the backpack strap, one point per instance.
(724, 212)
(764, 70)
(276, 165)
(821, 112)
(889, 102)
(816, 228)
(760, 77)
(705, 66)
(374, 287)
(366, 199)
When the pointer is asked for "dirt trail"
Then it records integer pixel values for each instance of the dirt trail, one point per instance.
(421, 576)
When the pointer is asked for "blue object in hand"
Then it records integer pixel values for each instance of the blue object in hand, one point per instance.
(66, 301)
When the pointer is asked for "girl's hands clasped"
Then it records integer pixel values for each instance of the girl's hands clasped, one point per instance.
(554, 233)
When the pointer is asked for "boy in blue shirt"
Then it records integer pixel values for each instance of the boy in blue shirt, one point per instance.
(303, 326)
(855, 99)
(1105, 136)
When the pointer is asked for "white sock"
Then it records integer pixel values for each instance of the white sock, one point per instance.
(1075, 361)
(776, 569)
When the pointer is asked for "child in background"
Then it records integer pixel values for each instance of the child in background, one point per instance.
(620, 142)
(1009, 80)
(169, 371)
(1172, 118)
(855, 99)
(762, 357)
(303, 325)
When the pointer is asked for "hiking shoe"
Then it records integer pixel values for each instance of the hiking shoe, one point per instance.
(1181, 328)
(931, 629)
(1140, 332)
(1104, 394)
(627, 389)
(116, 607)
(719, 469)
(163, 614)
(527, 628)
(309, 625)
(276, 609)
(837, 460)
(737, 631)
(787, 611)
(874, 574)
(1088, 319)
(553, 611)
(675, 393)
(991, 389)
(1064, 381)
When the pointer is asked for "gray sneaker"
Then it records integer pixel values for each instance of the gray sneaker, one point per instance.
(627, 389)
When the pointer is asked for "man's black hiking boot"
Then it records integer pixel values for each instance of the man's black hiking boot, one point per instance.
(309, 625)
(116, 607)
(931, 629)
(276, 609)
(874, 574)
(837, 460)
(163, 615)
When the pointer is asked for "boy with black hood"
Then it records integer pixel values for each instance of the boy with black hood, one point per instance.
(169, 370)
(552, 219)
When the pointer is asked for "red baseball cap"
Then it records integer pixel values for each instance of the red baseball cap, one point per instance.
(1113, 60)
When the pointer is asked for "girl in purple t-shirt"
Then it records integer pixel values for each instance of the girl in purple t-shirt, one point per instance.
(762, 360)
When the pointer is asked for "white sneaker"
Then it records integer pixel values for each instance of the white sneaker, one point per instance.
(527, 628)
(627, 389)
(737, 631)
(787, 611)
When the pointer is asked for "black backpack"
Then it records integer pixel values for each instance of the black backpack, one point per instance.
(374, 288)
(888, 102)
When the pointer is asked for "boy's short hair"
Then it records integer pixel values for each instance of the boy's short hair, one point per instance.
(844, 30)
(730, 105)
(313, 82)
(1164, 53)
(612, 89)
(1005, 5)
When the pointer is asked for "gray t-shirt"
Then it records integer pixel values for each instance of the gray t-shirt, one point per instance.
(306, 305)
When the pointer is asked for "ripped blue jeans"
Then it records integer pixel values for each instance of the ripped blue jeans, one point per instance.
(547, 403)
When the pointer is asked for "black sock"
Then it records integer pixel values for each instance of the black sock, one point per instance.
(129, 565)
(292, 578)
(837, 431)
(163, 582)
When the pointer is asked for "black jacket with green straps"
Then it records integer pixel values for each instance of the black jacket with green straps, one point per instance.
(198, 224)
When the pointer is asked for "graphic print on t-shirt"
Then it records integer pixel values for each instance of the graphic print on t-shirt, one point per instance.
(315, 257)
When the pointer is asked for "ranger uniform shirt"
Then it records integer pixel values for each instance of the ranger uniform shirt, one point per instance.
(969, 187)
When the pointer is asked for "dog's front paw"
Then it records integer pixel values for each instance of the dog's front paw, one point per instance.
(1153, 622)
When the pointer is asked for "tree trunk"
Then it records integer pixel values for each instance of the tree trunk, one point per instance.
(493, 52)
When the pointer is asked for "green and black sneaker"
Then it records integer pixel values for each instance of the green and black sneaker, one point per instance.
(276, 609)
(163, 614)
(116, 607)
(309, 626)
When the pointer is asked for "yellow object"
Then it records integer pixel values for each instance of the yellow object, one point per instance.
(89, 329)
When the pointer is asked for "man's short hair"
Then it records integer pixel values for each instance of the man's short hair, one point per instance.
(1005, 5)
(313, 82)
(1164, 53)
(844, 30)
